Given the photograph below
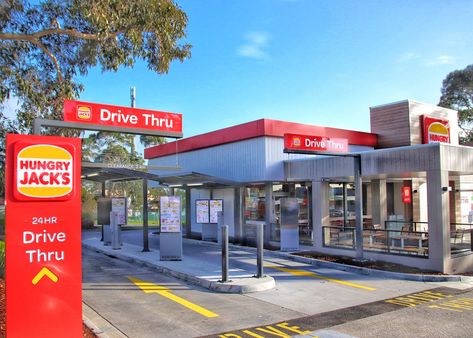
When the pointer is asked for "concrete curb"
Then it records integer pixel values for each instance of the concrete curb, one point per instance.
(349, 268)
(99, 326)
(238, 285)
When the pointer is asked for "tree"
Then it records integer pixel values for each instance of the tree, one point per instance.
(46, 45)
(457, 93)
(7, 127)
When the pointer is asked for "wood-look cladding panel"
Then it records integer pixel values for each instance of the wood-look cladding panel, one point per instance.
(391, 123)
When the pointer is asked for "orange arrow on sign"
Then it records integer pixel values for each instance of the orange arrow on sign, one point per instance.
(44, 272)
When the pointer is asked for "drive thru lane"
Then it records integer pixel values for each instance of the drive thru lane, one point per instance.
(386, 318)
(109, 291)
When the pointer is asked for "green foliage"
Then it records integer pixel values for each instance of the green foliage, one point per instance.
(2, 220)
(89, 207)
(7, 126)
(457, 93)
(45, 45)
(2, 259)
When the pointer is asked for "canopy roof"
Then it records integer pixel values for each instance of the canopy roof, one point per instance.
(98, 174)
(101, 174)
(194, 179)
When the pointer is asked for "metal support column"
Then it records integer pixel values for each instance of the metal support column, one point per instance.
(259, 250)
(104, 194)
(224, 253)
(145, 216)
(188, 213)
(358, 208)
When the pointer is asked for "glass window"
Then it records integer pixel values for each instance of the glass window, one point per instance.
(342, 204)
(255, 206)
(336, 203)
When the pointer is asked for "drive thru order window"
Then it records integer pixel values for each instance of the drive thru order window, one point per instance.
(303, 192)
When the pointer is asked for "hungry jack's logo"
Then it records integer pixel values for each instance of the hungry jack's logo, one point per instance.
(438, 133)
(84, 113)
(296, 141)
(44, 171)
(436, 130)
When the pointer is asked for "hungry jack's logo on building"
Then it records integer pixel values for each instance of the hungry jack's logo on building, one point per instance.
(436, 130)
(84, 113)
(43, 171)
(296, 141)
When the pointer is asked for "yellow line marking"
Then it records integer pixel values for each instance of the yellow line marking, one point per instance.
(166, 292)
(314, 275)
(44, 272)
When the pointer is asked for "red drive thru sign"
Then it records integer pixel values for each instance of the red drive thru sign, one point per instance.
(128, 119)
(43, 236)
(406, 195)
(306, 143)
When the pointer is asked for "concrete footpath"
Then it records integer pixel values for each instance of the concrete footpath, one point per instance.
(200, 265)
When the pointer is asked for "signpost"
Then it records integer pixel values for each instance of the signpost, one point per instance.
(305, 144)
(202, 211)
(120, 205)
(435, 130)
(43, 236)
(128, 119)
(216, 206)
(170, 239)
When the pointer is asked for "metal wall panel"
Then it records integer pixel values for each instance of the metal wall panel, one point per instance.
(258, 159)
(394, 161)
(457, 159)
(238, 161)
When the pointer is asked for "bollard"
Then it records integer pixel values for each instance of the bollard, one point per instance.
(114, 228)
(471, 239)
(259, 250)
(224, 253)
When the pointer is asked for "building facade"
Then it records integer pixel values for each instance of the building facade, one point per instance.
(416, 197)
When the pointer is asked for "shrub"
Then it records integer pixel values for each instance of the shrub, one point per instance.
(2, 259)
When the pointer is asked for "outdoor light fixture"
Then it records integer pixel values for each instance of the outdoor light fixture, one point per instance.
(447, 188)
(195, 184)
(174, 185)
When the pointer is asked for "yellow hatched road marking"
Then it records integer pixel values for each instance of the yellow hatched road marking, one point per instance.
(166, 292)
(314, 275)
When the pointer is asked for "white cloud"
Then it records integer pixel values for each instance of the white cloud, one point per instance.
(407, 57)
(425, 61)
(440, 61)
(255, 46)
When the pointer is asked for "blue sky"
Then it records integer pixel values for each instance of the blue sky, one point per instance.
(322, 62)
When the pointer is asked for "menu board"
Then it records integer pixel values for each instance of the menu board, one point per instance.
(119, 205)
(215, 207)
(207, 210)
(202, 211)
(170, 213)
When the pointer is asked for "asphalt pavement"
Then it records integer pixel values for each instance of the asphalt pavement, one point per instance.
(131, 293)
